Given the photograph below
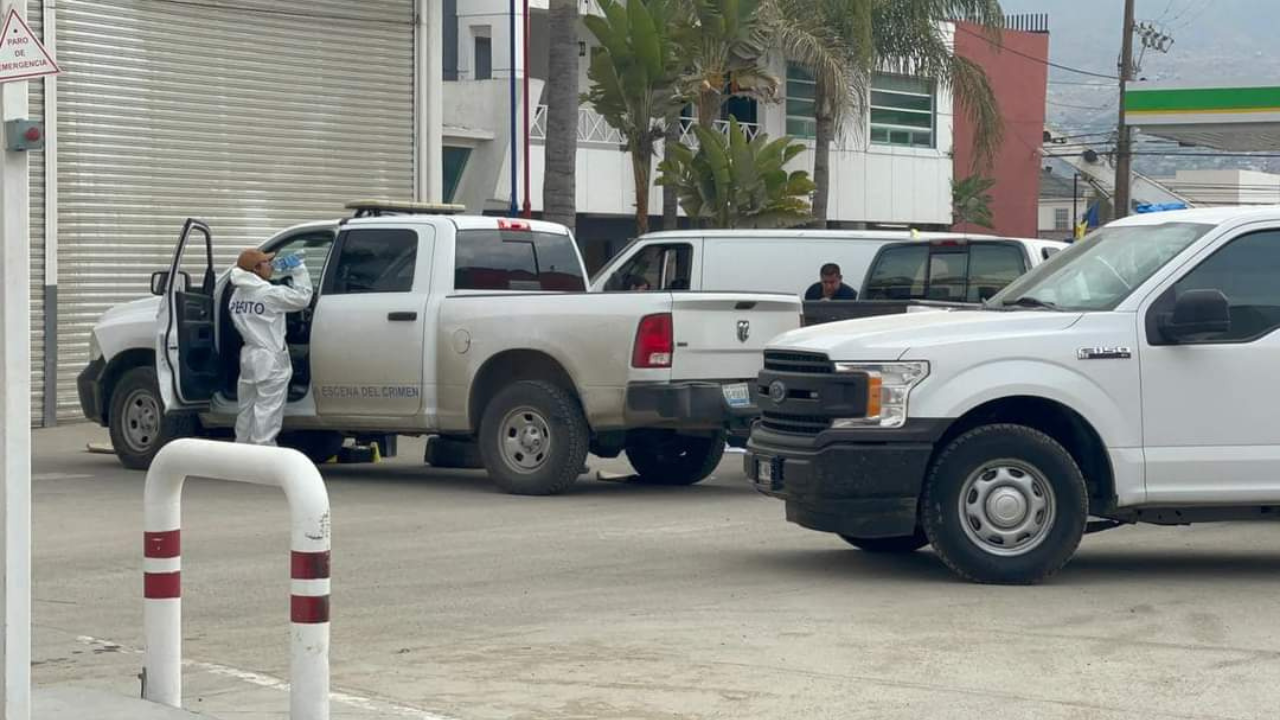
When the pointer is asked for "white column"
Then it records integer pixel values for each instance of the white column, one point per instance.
(15, 420)
(428, 100)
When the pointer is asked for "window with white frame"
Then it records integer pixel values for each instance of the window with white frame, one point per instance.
(1061, 216)
(902, 111)
(801, 122)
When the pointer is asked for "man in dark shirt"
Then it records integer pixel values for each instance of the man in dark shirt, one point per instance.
(831, 286)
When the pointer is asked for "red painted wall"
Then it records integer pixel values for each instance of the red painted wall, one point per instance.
(1019, 83)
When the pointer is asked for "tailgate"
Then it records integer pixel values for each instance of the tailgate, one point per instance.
(722, 336)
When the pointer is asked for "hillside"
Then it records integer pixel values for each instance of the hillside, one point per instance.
(1215, 41)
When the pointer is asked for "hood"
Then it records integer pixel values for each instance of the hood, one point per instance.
(244, 278)
(146, 307)
(889, 337)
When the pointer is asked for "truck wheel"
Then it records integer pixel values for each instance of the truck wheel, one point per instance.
(662, 457)
(317, 445)
(137, 421)
(889, 545)
(1005, 504)
(534, 439)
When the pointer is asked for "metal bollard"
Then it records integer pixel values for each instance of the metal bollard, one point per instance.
(309, 563)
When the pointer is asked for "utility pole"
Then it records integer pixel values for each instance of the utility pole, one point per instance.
(1124, 157)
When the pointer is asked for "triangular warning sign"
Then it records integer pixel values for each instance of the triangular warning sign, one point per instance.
(22, 56)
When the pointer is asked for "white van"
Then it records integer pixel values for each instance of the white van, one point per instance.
(784, 261)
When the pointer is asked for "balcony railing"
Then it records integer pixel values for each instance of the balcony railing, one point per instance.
(592, 128)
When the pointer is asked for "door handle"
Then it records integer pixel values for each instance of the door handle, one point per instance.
(402, 316)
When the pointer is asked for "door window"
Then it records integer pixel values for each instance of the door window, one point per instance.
(375, 261)
(517, 260)
(1245, 271)
(655, 267)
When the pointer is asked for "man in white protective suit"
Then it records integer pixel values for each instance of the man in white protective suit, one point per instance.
(258, 310)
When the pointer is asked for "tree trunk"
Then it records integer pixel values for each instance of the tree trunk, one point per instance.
(640, 162)
(670, 197)
(559, 183)
(709, 105)
(822, 158)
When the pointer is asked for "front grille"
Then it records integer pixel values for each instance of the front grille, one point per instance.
(794, 424)
(792, 362)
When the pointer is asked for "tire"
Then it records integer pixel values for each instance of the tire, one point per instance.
(1033, 516)
(889, 545)
(662, 457)
(138, 424)
(534, 439)
(318, 445)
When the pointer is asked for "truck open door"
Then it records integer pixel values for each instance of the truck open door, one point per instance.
(186, 347)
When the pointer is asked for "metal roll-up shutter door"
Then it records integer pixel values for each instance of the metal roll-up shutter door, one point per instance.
(35, 109)
(253, 115)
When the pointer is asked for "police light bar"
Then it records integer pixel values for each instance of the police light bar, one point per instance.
(376, 208)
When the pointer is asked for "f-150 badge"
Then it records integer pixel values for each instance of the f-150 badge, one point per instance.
(1104, 353)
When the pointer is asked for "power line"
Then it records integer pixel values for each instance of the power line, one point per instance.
(1033, 58)
(1080, 107)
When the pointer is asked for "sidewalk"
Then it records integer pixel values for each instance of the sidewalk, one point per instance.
(69, 703)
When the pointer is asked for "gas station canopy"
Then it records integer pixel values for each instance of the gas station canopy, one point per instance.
(1238, 117)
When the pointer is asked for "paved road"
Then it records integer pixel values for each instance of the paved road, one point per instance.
(621, 601)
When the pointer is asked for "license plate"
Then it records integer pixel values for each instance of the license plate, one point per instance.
(764, 471)
(737, 395)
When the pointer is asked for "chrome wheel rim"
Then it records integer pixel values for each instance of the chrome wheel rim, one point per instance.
(142, 416)
(525, 441)
(1006, 508)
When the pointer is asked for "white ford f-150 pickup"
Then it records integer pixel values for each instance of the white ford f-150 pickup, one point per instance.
(1127, 379)
(474, 330)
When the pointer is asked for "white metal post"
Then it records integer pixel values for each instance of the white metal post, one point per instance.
(428, 99)
(15, 422)
(50, 32)
(309, 563)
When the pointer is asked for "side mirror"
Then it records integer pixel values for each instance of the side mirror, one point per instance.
(160, 279)
(1196, 315)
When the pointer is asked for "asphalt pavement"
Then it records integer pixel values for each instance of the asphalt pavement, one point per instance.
(454, 602)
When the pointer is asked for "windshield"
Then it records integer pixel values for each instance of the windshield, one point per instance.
(1102, 269)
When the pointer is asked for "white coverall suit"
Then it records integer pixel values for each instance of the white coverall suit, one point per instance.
(257, 310)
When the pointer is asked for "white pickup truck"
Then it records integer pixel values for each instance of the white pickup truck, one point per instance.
(1124, 380)
(474, 330)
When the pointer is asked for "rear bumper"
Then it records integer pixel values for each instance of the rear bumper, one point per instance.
(688, 406)
(89, 387)
(848, 482)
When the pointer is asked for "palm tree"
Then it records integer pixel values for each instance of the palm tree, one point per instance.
(832, 39)
(910, 38)
(633, 82)
(735, 182)
(559, 183)
(971, 201)
(897, 36)
(723, 45)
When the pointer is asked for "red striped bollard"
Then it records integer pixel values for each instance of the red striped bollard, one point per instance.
(309, 563)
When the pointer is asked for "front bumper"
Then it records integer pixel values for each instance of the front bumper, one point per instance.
(89, 387)
(689, 406)
(863, 483)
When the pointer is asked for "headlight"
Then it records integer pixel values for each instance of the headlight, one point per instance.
(889, 386)
(95, 352)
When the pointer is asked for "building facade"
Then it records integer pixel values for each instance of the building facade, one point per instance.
(1016, 65)
(892, 166)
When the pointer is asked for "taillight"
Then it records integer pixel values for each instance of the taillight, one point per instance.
(654, 342)
(505, 224)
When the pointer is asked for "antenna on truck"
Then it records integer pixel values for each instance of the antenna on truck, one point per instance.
(378, 208)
